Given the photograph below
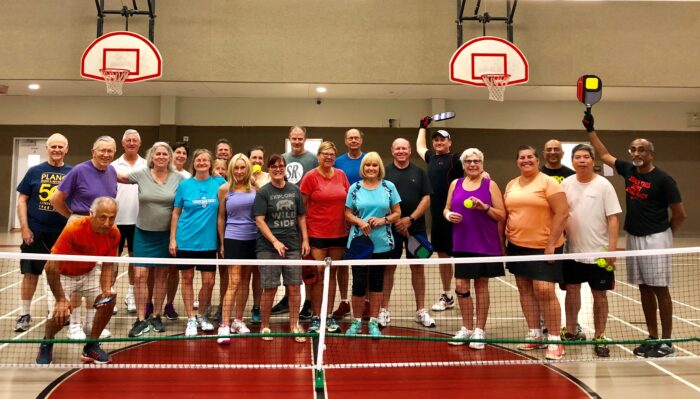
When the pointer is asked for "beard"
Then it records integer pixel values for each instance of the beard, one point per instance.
(637, 162)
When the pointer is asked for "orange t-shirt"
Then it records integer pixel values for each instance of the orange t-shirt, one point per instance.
(529, 214)
(78, 238)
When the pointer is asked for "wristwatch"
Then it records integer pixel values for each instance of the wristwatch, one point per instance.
(386, 220)
(411, 219)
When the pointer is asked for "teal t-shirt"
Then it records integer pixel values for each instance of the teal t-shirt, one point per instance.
(377, 202)
(196, 228)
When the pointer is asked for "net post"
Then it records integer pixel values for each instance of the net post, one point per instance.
(318, 367)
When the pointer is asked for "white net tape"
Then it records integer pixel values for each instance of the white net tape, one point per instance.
(114, 78)
(496, 83)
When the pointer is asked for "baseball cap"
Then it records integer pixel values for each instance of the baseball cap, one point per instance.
(442, 133)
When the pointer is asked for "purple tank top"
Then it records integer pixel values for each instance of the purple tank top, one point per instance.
(240, 223)
(477, 233)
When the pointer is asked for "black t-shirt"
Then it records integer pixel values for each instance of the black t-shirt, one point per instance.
(558, 174)
(442, 169)
(647, 196)
(412, 184)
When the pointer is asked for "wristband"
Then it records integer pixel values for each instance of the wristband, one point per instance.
(411, 219)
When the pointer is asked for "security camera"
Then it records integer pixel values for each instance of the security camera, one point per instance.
(318, 101)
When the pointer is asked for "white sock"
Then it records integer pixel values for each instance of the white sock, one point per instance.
(447, 293)
(130, 290)
(553, 337)
(26, 305)
(535, 332)
(76, 316)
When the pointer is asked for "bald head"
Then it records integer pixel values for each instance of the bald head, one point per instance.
(401, 152)
(553, 153)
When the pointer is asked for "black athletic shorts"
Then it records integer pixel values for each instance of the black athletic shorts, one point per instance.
(597, 277)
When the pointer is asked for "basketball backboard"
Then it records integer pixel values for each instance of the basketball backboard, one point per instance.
(122, 50)
(488, 55)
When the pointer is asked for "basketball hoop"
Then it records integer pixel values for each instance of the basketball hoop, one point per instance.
(114, 78)
(496, 83)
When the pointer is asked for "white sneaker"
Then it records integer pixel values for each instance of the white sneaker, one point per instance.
(478, 334)
(445, 302)
(195, 305)
(223, 330)
(204, 324)
(75, 331)
(384, 317)
(239, 327)
(424, 319)
(463, 333)
(130, 303)
(191, 329)
(105, 333)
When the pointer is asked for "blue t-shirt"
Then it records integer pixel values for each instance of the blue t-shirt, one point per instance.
(350, 166)
(39, 184)
(196, 228)
(85, 182)
(376, 203)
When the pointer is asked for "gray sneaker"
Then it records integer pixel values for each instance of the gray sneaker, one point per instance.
(23, 323)
(156, 324)
(660, 350)
(140, 327)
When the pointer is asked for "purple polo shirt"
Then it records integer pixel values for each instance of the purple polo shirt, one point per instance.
(85, 182)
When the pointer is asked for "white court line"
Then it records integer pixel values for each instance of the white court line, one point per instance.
(632, 326)
(5, 274)
(673, 300)
(684, 320)
(10, 286)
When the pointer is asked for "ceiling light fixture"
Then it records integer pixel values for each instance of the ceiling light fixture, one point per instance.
(321, 89)
(34, 86)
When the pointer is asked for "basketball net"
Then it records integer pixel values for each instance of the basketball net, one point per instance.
(114, 78)
(496, 83)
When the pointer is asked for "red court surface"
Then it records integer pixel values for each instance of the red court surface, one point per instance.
(483, 381)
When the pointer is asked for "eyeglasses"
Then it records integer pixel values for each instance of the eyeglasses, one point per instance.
(276, 167)
(328, 154)
(552, 150)
(472, 161)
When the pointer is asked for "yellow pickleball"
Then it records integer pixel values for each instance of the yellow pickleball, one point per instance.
(257, 168)
(468, 203)
(601, 262)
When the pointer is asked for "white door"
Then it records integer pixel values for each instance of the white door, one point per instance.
(27, 153)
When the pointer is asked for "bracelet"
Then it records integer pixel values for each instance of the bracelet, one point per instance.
(386, 220)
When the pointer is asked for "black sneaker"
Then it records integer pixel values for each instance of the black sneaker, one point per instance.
(641, 350)
(565, 335)
(93, 353)
(170, 312)
(156, 324)
(281, 307)
(601, 347)
(140, 327)
(23, 323)
(660, 350)
(45, 355)
(306, 312)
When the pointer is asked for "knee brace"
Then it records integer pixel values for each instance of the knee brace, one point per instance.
(463, 294)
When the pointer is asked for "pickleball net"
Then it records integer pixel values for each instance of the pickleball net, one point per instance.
(404, 341)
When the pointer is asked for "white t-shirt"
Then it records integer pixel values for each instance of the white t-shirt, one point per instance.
(127, 194)
(590, 204)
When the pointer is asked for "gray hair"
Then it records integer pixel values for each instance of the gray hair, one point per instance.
(104, 139)
(471, 151)
(152, 150)
(131, 131)
(97, 202)
(362, 134)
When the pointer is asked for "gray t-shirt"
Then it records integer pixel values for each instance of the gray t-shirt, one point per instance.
(298, 166)
(281, 207)
(155, 200)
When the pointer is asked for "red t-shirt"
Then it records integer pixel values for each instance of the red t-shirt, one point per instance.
(325, 210)
(78, 238)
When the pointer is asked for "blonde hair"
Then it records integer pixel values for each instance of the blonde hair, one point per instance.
(374, 158)
(326, 145)
(248, 172)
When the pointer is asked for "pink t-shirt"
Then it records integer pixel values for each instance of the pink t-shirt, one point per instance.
(325, 210)
(529, 214)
